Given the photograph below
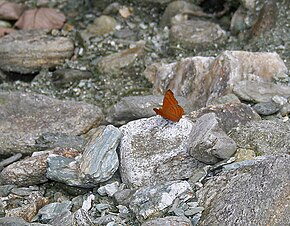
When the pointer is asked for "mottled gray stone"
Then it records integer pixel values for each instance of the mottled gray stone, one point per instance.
(154, 150)
(209, 143)
(66, 77)
(5, 190)
(228, 115)
(154, 201)
(29, 51)
(251, 195)
(136, 107)
(24, 117)
(26, 172)
(109, 189)
(263, 136)
(168, 221)
(123, 197)
(256, 91)
(197, 34)
(52, 210)
(98, 163)
(10, 160)
(266, 108)
(13, 221)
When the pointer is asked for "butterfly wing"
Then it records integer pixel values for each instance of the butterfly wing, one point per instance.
(170, 108)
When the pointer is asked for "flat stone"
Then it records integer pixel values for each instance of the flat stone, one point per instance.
(155, 150)
(209, 143)
(30, 51)
(136, 107)
(256, 194)
(257, 92)
(25, 117)
(154, 201)
(265, 137)
(266, 108)
(170, 220)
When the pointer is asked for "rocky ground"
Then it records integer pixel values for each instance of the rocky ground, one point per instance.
(80, 143)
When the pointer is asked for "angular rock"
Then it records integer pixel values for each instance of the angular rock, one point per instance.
(29, 51)
(197, 34)
(209, 143)
(266, 108)
(10, 10)
(264, 137)
(102, 25)
(154, 150)
(170, 220)
(9, 160)
(98, 162)
(114, 63)
(256, 92)
(26, 172)
(184, 78)
(257, 194)
(26, 116)
(6, 189)
(228, 115)
(154, 201)
(136, 107)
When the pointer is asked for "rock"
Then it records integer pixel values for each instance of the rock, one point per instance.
(10, 10)
(109, 189)
(13, 221)
(64, 78)
(26, 116)
(244, 154)
(197, 35)
(125, 59)
(123, 197)
(154, 201)
(52, 210)
(174, 8)
(153, 150)
(266, 108)
(135, 107)
(167, 221)
(29, 51)
(285, 110)
(102, 25)
(9, 160)
(240, 20)
(228, 115)
(226, 99)
(184, 78)
(98, 163)
(264, 137)
(256, 92)
(209, 143)
(251, 195)
(6, 189)
(231, 67)
(26, 172)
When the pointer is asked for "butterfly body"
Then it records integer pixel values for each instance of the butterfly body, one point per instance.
(170, 108)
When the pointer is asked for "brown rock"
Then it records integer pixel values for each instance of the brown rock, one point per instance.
(10, 10)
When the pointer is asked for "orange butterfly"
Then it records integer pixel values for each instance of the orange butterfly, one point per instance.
(170, 108)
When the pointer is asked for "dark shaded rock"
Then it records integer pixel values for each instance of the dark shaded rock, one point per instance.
(123, 197)
(266, 108)
(264, 136)
(29, 51)
(6, 189)
(65, 77)
(24, 117)
(251, 195)
(228, 115)
(9, 160)
(209, 143)
(256, 91)
(154, 201)
(26, 172)
(226, 99)
(285, 110)
(98, 163)
(136, 107)
(167, 221)
(13, 221)
(155, 149)
(197, 34)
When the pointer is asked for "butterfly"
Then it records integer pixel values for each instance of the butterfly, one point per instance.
(170, 108)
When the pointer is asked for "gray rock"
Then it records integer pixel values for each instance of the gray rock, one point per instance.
(26, 172)
(10, 160)
(285, 110)
(26, 116)
(13, 221)
(256, 92)
(226, 99)
(109, 189)
(168, 221)
(266, 108)
(98, 162)
(102, 25)
(250, 195)
(29, 51)
(154, 201)
(123, 197)
(155, 150)
(228, 115)
(197, 34)
(264, 136)
(136, 107)
(209, 143)
(52, 210)
(6, 189)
